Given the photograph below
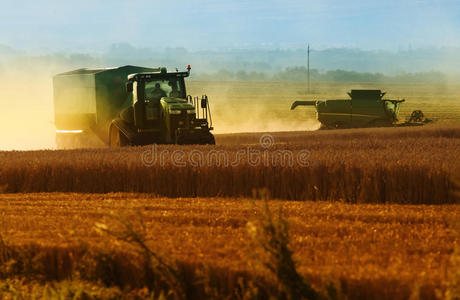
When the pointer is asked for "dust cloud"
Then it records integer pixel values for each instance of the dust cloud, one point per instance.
(26, 117)
(259, 119)
(255, 106)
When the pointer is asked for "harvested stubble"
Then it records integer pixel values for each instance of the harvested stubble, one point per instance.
(368, 251)
(409, 166)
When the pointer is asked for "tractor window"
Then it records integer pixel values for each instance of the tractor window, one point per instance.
(389, 106)
(175, 88)
(157, 89)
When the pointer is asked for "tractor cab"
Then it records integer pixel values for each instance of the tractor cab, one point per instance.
(369, 108)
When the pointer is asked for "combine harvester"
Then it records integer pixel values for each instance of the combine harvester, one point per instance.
(128, 106)
(366, 108)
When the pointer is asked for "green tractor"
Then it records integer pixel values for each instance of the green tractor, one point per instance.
(129, 106)
(365, 108)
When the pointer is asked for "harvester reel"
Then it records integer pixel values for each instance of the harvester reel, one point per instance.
(416, 116)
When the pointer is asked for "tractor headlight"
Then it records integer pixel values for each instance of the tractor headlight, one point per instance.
(191, 111)
(175, 111)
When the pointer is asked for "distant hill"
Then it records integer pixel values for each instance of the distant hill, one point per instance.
(257, 60)
(337, 64)
(7, 52)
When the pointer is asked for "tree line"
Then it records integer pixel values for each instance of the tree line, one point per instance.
(301, 74)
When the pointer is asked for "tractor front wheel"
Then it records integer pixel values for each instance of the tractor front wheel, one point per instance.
(117, 139)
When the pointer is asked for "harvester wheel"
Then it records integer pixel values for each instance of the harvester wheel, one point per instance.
(416, 116)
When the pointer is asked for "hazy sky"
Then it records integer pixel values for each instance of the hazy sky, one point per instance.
(84, 25)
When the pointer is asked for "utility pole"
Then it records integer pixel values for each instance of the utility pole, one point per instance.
(308, 68)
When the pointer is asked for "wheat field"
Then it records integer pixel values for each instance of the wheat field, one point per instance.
(369, 251)
(396, 165)
(366, 213)
(374, 216)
